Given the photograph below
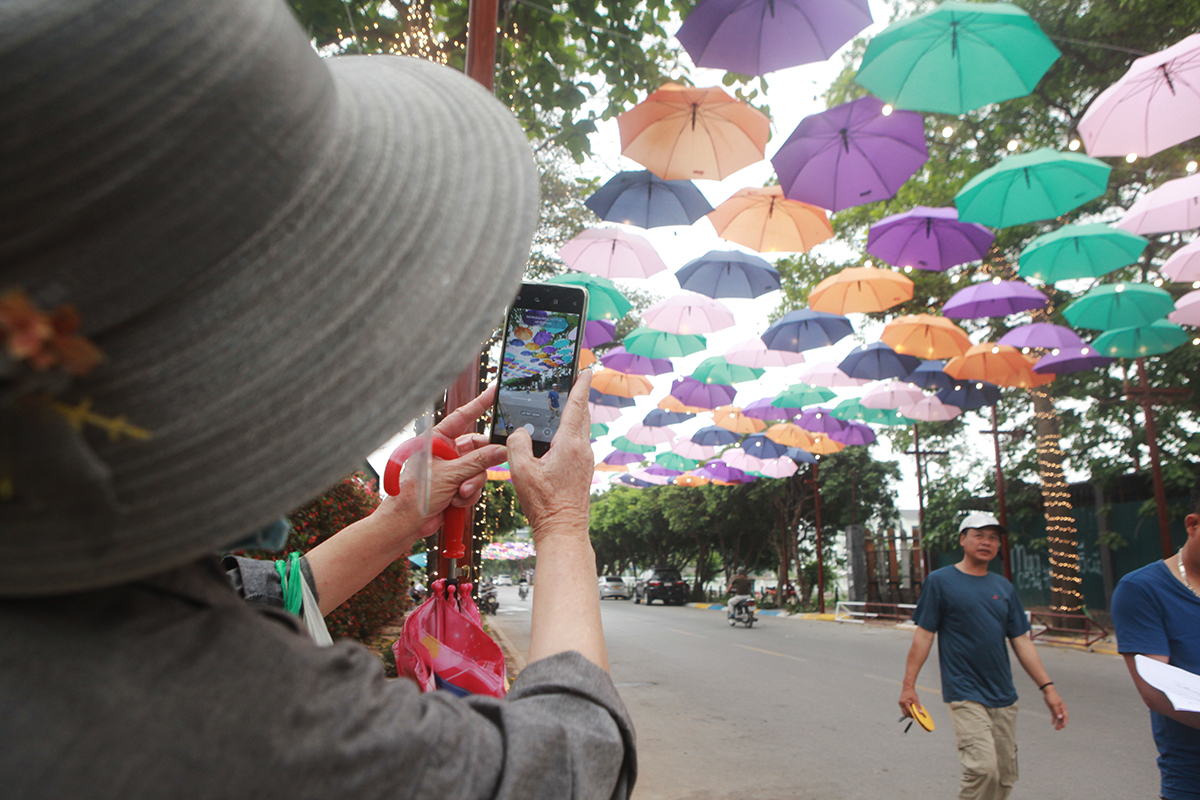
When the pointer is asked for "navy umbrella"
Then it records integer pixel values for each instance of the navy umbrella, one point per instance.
(760, 446)
(876, 361)
(602, 399)
(660, 417)
(715, 436)
(970, 394)
(800, 456)
(806, 329)
(629, 480)
(642, 198)
(728, 273)
(930, 375)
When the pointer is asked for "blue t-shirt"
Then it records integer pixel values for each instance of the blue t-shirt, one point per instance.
(1156, 615)
(974, 616)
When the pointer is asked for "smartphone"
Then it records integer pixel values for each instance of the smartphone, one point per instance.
(539, 358)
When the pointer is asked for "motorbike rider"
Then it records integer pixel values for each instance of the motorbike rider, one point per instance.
(740, 589)
(523, 587)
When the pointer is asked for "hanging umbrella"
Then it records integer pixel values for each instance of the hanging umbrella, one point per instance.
(680, 132)
(864, 289)
(728, 273)
(1187, 309)
(778, 468)
(651, 343)
(823, 445)
(1154, 339)
(766, 410)
(1028, 187)
(819, 420)
(854, 434)
(930, 409)
(852, 410)
(998, 364)
(717, 470)
(790, 435)
(658, 469)
(612, 382)
(760, 446)
(619, 358)
(716, 369)
(604, 414)
(715, 436)
(805, 329)
(994, 298)
(622, 458)
(702, 395)
(876, 361)
(827, 375)
(801, 456)
(1153, 106)
(612, 253)
(674, 405)
(1119, 305)
(753, 353)
(799, 395)
(970, 394)
(740, 459)
(632, 481)
(597, 332)
(674, 461)
(892, 394)
(1041, 334)
(957, 58)
(754, 37)
(1183, 266)
(686, 448)
(500, 472)
(928, 238)
(851, 154)
(925, 336)
(625, 445)
(603, 467)
(688, 314)
(605, 300)
(931, 375)
(649, 435)
(1174, 206)
(1080, 251)
(691, 480)
(1071, 359)
(599, 398)
(732, 419)
(598, 429)
(642, 198)
(766, 221)
(658, 418)
(646, 476)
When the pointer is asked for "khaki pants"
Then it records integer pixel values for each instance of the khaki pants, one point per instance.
(987, 748)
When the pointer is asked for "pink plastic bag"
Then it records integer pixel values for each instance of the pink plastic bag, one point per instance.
(443, 646)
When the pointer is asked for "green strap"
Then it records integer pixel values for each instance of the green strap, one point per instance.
(290, 576)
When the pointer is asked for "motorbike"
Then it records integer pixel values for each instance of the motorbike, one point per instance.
(523, 589)
(488, 603)
(743, 612)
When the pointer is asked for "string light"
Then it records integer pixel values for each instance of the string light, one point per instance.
(1061, 534)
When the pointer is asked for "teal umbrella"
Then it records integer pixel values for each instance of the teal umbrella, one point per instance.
(1080, 251)
(653, 343)
(605, 300)
(1158, 337)
(1119, 305)
(1031, 186)
(626, 446)
(799, 395)
(957, 57)
(851, 410)
(718, 370)
(676, 461)
(599, 429)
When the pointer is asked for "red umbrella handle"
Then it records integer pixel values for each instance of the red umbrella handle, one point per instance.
(454, 518)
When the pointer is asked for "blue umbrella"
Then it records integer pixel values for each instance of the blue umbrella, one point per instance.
(728, 273)
(876, 361)
(420, 559)
(660, 417)
(601, 399)
(760, 446)
(629, 480)
(930, 375)
(642, 198)
(800, 456)
(806, 329)
(970, 394)
(715, 436)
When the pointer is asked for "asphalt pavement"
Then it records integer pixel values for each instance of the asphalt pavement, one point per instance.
(796, 708)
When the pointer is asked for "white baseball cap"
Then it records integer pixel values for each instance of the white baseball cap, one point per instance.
(980, 520)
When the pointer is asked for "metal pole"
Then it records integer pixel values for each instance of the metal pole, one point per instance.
(1001, 507)
(920, 500)
(820, 552)
(1160, 491)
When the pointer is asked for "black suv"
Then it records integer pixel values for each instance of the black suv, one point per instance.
(661, 583)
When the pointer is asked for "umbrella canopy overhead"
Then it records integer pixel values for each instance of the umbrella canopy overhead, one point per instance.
(823, 444)
(876, 361)
(930, 409)
(681, 133)
(697, 394)
(799, 395)
(826, 374)
(716, 369)
(820, 420)
(851, 154)
(688, 314)
(728, 273)
(674, 461)
(1028, 187)
(766, 221)
(732, 419)
(1041, 334)
(605, 300)
(970, 394)
(598, 429)
(1187, 309)
(1080, 251)
(1154, 339)
(805, 329)
(613, 382)
(801, 456)
(597, 332)
(622, 458)
(658, 418)
(790, 435)
(957, 57)
(930, 375)
(642, 198)
(862, 289)
(599, 398)
(1183, 266)
(854, 434)
(994, 298)
(1071, 359)
(674, 405)
(925, 336)
(620, 359)
(778, 467)
(1119, 305)
(650, 435)
(720, 472)
(765, 409)
(612, 253)
(892, 394)
(928, 238)
(1153, 106)
(604, 414)
(633, 481)
(760, 446)
(740, 459)
(754, 37)
(998, 364)
(623, 444)
(755, 354)
(1174, 206)
(651, 343)
(691, 480)
(852, 410)
(686, 448)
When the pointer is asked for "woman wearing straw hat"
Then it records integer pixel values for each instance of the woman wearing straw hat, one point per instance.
(226, 270)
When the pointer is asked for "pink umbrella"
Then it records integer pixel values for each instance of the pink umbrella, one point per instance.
(828, 375)
(994, 298)
(740, 459)
(1174, 206)
(1155, 105)
(893, 394)
(1184, 264)
(1187, 309)
(649, 434)
(612, 253)
(688, 314)
(778, 468)
(604, 413)
(930, 409)
(754, 353)
(696, 452)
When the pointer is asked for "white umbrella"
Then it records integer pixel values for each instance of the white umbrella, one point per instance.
(1184, 264)
(754, 353)
(649, 434)
(689, 314)
(696, 452)
(930, 409)
(1174, 206)
(892, 394)
(612, 253)
(828, 375)
(604, 414)
(778, 468)
(1187, 309)
(740, 459)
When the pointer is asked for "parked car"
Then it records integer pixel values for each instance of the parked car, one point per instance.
(661, 583)
(612, 586)
(503, 580)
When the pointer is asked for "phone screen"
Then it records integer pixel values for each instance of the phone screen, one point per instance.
(538, 361)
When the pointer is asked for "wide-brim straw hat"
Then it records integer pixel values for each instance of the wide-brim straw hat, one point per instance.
(282, 258)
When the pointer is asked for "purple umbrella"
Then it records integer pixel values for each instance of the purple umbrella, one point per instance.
(1070, 359)
(618, 458)
(754, 37)
(692, 392)
(855, 433)
(819, 420)
(994, 298)
(543, 338)
(626, 362)
(658, 469)
(720, 471)
(928, 238)
(851, 154)
(763, 409)
(597, 332)
(1042, 334)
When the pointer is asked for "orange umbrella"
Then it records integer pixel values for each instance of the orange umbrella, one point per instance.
(731, 418)
(789, 435)
(602, 467)
(610, 381)
(688, 479)
(998, 364)
(673, 403)
(681, 132)
(925, 336)
(765, 220)
(823, 445)
(860, 289)
(586, 357)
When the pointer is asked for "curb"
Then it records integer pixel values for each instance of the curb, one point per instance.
(512, 657)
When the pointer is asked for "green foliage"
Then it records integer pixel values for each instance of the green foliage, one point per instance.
(499, 512)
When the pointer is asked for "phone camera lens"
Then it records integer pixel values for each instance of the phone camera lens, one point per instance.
(556, 301)
(537, 299)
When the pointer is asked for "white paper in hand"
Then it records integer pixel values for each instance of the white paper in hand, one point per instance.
(1181, 687)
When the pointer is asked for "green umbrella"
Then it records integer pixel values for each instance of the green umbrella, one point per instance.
(718, 370)
(957, 57)
(605, 300)
(676, 461)
(1119, 305)
(1159, 336)
(1031, 186)
(1080, 251)
(626, 446)
(653, 343)
(599, 429)
(851, 409)
(799, 395)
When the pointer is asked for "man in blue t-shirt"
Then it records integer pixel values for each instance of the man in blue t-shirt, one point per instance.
(1156, 611)
(973, 612)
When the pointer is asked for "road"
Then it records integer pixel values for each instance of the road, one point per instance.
(806, 710)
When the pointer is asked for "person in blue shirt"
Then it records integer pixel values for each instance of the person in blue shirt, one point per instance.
(1156, 611)
(973, 612)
